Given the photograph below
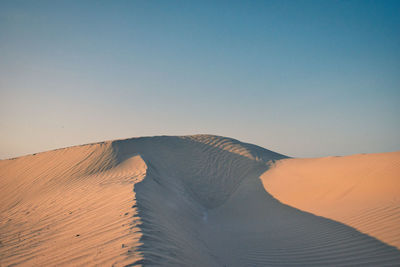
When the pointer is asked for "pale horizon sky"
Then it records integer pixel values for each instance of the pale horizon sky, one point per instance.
(302, 78)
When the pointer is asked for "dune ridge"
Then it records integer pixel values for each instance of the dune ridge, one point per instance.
(172, 201)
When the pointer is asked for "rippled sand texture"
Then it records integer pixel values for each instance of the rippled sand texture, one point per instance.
(188, 201)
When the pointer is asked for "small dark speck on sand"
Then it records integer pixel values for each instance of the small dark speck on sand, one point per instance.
(78, 235)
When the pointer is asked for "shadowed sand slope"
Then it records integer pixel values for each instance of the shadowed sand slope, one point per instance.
(362, 191)
(170, 201)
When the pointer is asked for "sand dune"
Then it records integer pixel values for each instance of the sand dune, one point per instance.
(190, 201)
(70, 206)
(362, 191)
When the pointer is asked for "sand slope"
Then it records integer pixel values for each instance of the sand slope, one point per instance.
(170, 201)
(68, 207)
(362, 191)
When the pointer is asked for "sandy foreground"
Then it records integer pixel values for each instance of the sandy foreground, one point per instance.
(197, 201)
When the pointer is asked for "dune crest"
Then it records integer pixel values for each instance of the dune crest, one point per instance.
(170, 201)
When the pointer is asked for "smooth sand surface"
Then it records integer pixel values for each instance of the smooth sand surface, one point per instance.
(362, 191)
(179, 201)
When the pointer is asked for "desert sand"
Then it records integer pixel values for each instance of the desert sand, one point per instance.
(197, 200)
(362, 191)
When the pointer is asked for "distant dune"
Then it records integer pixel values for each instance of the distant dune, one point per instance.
(197, 200)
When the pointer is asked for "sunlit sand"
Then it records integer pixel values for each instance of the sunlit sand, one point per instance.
(198, 200)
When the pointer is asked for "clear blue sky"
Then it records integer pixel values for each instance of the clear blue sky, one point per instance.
(303, 78)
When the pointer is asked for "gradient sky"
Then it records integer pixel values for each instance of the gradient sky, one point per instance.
(303, 78)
